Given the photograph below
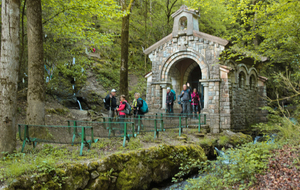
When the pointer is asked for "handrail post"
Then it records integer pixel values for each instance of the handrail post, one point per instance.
(199, 123)
(186, 125)
(133, 129)
(155, 129)
(25, 137)
(92, 134)
(180, 128)
(82, 139)
(125, 134)
(139, 123)
(74, 132)
(69, 129)
(161, 117)
(109, 127)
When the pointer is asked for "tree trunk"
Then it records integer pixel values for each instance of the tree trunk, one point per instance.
(9, 73)
(36, 87)
(124, 52)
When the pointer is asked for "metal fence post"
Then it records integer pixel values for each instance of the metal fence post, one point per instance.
(180, 128)
(125, 134)
(155, 129)
(82, 139)
(199, 123)
(139, 123)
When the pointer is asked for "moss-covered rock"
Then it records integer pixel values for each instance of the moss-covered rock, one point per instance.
(133, 170)
(231, 139)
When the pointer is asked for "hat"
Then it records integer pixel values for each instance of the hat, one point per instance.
(168, 88)
(113, 90)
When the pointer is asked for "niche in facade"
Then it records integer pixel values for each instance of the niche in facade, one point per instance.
(183, 24)
(242, 79)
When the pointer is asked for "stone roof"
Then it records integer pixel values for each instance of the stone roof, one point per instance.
(198, 34)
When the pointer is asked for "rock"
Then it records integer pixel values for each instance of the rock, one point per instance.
(94, 174)
(228, 133)
(132, 170)
(232, 139)
(79, 114)
(182, 138)
(92, 165)
(99, 183)
(199, 134)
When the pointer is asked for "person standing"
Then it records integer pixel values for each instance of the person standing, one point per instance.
(195, 101)
(136, 105)
(121, 111)
(111, 103)
(186, 100)
(170, 100)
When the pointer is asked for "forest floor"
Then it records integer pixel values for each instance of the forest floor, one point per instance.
(283, 170)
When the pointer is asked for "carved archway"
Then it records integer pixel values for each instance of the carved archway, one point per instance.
(173, 59)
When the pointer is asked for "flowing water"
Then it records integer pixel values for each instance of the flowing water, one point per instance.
(79, 104)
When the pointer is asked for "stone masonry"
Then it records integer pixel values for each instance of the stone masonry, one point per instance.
(233, 92)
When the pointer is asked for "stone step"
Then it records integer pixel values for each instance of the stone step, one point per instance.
(196, 126)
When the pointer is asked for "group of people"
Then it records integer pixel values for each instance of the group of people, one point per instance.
(111, 105)
(187, 99)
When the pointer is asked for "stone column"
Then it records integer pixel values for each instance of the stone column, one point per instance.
(205, 94)
(164, 95)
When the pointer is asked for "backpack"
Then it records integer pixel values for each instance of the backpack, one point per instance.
(144, 108)
(179, 100)
(174, 93)
(127, 109)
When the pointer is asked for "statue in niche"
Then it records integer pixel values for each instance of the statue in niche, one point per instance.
(183, 23)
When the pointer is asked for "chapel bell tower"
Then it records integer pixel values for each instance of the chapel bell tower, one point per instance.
(185, 21)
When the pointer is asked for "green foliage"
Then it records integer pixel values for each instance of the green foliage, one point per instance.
(108, 75)
(42, 160)
(237, 166)
(214, 16)
(223, 140)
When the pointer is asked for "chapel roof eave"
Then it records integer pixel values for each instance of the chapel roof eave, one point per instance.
(198, 34)
(157, 44)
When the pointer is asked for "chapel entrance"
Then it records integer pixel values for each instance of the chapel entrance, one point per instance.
(194, 77)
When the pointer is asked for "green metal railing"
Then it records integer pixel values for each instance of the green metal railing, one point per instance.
(190, 119)
(170, 121)
(54, 134)
(142, 124)
(106, 129)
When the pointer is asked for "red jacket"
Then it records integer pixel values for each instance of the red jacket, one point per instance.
(122, 107)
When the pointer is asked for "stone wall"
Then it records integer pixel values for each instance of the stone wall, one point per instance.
(164, 58)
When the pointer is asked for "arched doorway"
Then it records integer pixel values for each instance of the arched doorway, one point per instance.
(194, 77)
(184, 71)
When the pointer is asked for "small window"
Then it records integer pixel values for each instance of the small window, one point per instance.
(242, 80)
(252, 82)
(183, 23)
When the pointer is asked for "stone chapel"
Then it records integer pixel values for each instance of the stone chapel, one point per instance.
(231, 93)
